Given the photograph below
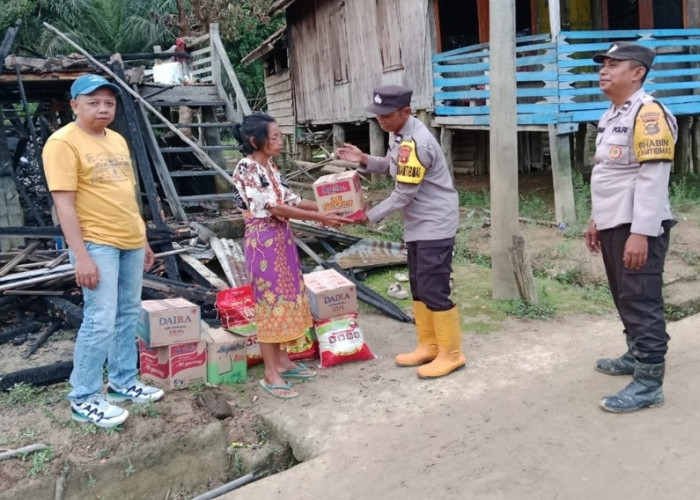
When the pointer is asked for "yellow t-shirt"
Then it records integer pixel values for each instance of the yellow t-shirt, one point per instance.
(99, 170)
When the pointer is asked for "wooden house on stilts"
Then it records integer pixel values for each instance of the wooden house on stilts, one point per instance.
(321, 69)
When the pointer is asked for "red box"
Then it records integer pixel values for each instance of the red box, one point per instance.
(175, 366)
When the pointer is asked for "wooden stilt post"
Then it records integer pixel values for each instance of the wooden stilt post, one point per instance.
(377, 147)
(560, 152)
(523, 271)
(338, 136)
(682, 160)
(446, 136)
(695, 145)
(503, 148)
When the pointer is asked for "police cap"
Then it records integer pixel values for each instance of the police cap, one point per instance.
(623, 51)
(389, 98)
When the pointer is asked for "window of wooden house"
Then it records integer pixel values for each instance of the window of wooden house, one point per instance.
(644, 14)
(389, 31)
(276, 61)
(339, 45)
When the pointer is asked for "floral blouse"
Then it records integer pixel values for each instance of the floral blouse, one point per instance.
(256, 190)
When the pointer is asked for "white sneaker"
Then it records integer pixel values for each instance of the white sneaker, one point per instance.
(98, 411)
(136, 392)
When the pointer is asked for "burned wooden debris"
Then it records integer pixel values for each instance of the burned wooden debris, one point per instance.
(38, 294)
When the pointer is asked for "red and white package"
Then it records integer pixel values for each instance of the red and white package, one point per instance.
(307, 350)
(236, 309)
(340, 340)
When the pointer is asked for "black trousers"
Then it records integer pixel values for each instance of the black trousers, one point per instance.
(429, 269)
(637, 292)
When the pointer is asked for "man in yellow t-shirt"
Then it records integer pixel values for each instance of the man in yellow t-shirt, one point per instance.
(91, 179)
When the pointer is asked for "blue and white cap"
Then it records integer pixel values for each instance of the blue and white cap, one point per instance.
(87, 84)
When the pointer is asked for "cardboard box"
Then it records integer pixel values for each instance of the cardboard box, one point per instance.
(168, 321)
(174, 366)
(226, 357)
(340, 192)
(330, 294)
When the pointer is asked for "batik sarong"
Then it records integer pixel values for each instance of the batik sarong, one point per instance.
(272, 261)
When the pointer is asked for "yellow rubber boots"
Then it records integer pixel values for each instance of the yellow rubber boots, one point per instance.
(427, 348)
(448, 333)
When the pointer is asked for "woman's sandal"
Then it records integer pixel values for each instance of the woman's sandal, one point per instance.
(270, 389)
(295, 373)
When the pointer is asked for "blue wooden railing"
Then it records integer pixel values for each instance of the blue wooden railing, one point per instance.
(557, 83)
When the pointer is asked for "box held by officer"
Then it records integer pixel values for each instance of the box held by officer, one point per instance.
(330, 294)
(168, 321)
(340, 193)
(226, 356)
(174, 366)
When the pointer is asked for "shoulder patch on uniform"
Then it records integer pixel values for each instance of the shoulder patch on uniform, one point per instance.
(653, 139)
(409, 170)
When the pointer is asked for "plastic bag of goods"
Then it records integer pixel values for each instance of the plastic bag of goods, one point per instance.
(340, 340)
(236, 309)
(306, 350)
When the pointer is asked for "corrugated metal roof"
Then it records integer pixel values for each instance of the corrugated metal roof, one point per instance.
(368, 253)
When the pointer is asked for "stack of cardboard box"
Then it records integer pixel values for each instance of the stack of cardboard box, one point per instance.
(333, 303)
(177, 349)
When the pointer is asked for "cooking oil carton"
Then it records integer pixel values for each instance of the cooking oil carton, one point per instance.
(226, 357)
(340, 192)
(174, 366)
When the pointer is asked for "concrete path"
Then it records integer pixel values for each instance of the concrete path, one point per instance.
(520, 422)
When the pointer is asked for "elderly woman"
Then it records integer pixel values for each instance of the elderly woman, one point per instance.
(272, 260)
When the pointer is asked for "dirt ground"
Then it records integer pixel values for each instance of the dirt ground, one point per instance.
(377, 391)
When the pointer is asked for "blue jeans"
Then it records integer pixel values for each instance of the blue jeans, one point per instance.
(110, 316)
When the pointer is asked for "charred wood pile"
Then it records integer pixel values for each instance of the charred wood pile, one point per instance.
(196, 257)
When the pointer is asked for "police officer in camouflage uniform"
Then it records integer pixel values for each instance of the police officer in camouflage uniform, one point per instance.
(631, 219)
(424, 191)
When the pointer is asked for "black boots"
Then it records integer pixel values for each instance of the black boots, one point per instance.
(624, 365)
(645, 390)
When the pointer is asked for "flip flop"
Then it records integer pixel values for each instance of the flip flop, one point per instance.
(272, 388)
(396, 291)
(295, 373)
(401, 277)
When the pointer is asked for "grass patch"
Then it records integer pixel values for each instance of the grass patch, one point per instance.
(21, 394)
(40, 462)
(475, 199)
(534, 207)
(684, 192)
(521, 309)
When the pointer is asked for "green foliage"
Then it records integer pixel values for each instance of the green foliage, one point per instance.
(129, 469)
(474, 199)
(676, 313)
(534, 206)
(40, 461)
(518, 307)
(20, 394)
(149, 410)
(197, 388)
(683, 194)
